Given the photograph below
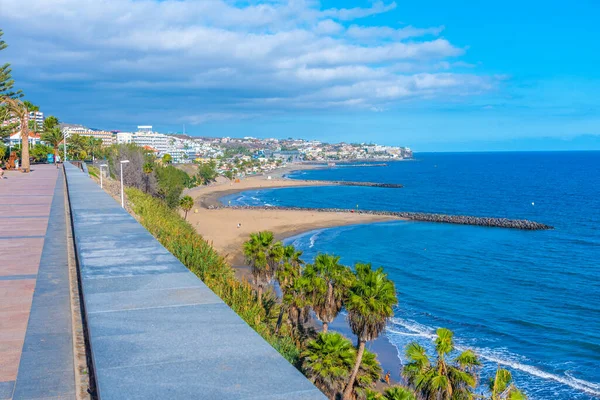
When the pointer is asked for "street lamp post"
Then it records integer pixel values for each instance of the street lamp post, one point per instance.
(65, 145)
(122, 192)
(102, 166)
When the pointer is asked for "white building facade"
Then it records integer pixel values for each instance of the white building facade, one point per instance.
(157, 141)
(38, 117)
(124, 137)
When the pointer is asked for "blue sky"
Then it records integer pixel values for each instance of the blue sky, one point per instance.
(435, 76)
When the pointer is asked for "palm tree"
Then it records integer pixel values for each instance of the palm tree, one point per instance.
(368, 375)
(264, 255)
(186, 203)
(440, 379)
(287, 274)
(93, 146)
(329, 282)
(148, 168)
(370, 304)
(297, 303)
(399, 393)
(77, 146)
(502, 387)
(53, 136)
(373, 395)
(14, 108)
(32, 108)
(327, 362)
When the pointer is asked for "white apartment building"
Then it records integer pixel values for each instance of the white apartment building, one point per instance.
(76, 130)
(124, 137)
(156, 141)
(107, 137)
(38, 117)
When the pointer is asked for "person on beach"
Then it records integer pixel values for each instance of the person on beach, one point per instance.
(387, 377)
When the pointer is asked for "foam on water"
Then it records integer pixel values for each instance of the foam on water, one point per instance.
(313, 238)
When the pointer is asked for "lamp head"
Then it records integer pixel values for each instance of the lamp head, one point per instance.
(124, 161)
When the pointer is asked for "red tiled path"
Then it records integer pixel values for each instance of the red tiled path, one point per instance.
(25, 201)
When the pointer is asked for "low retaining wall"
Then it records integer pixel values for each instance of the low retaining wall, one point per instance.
(425, 217)
(156, 331)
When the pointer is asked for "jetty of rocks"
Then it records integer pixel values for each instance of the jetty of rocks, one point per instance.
(368, 184)
(425, 217)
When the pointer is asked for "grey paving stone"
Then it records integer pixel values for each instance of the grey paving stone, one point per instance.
(119, 301)
(142, 282)
(48, 341)
(241, 378)
(6, 390)
(49, 383)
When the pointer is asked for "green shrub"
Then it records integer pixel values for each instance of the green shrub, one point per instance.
(171, 182)
(93, 171)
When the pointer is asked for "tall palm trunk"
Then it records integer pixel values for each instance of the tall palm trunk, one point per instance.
(329, 301)
(25, 143)
(260, 292)
(359, 356)
(279, 319)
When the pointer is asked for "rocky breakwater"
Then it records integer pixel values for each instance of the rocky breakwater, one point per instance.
(425, 217)
(367, 184)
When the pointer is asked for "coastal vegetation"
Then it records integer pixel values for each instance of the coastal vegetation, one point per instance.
(329, 281)
(441, 378)
(186, 203)
(370, 303)
(14, 109)
(7, 91)
(53, 136)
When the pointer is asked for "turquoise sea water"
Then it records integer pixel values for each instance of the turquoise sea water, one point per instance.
(529, 301)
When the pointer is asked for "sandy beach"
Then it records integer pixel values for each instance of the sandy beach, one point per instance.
(220, 226)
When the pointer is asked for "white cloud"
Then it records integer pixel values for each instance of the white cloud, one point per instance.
(385, 32)
(281, 54)
(328, 27)
(348, 14)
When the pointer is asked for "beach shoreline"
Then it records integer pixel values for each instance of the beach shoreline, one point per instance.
(227, 228)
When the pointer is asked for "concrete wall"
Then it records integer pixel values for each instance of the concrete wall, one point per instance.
(156, 330)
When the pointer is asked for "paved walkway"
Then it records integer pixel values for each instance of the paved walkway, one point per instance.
(156, 331)
(36, 350)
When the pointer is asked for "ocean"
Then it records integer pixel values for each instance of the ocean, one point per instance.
(526, 300)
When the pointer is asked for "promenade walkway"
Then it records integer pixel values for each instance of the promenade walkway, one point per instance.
(156, 331)
(36, 348)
